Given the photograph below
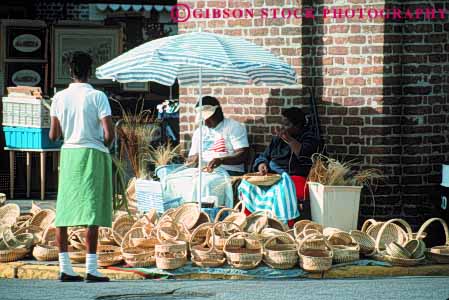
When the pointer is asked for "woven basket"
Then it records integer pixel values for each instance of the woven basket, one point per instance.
(389, 231)
(121, 226)
(43, 218)
(220, 234)
(438, 254)
(170, 254)
(397, 251)
(300, 226)
(138, 257)
(108, 255)
(203, 254)
(236, 217)
(2, 199)
(187, 214)
(256, 222)
(11, 255)
(37, 233)
(318, 242)
(106, 237)
(283, 255)
(45, 252)
(77, 239)
(315, 260)
(34, 208)
(242, 258)
(392, 232)
(49, 236)
(77, 256)
(346, 253)
(337, 237)
(417, 248)
(262, 180)
(9, 240)
(9, 214)
(402, 262)
(366, 242)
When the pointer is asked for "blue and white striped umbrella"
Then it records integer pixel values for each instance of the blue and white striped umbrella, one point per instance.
(222, 59)
(198, 58)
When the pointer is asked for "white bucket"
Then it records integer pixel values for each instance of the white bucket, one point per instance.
(445, 176)
(335, 206)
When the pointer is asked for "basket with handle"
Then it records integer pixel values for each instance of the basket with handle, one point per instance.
(77, 239)
(108, 255)
(10, 240)
(438, 254)
(49, 236)
(170, 253)
(203, 254)
(313, 259)
(45, 252)
(417, 248)
(136, 256)
(336, 236)
(391, 233)
(221, 232)
(106, 237)
(242, 258)
(121, 225)
(256, 222)
(280, 252)
(300, 226)
(366, 242)
(387, 229)
(43, 218)
(187, 214)
(77, 256)
(236, 217)
(318, 242)
(346, 253)
(9, 214)
(37, 233)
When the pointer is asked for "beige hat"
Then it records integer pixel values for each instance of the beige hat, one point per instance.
(208, 111)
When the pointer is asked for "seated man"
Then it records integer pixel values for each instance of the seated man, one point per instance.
(225, 141)
(290, 151)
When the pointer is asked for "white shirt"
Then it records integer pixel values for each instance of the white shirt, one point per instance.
(79, 109)
(221, 141)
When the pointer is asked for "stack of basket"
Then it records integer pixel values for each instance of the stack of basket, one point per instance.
(170, 252)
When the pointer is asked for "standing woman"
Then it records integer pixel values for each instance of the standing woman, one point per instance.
(82, 115)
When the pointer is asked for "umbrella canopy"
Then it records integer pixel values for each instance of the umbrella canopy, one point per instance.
(199, 58)
(222, 59)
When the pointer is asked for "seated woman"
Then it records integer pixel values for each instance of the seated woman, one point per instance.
(289, 153)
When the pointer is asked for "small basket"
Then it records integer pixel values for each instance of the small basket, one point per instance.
(318, 242)
(262, 180)
(417, 248)
(282, 255)
(10, 240)
(337, 237)
(106, 237)
(187, 214)
(138, 257)
(77, 256)
(397, 251)
(438, 254)
(300, 226)
(121, 226)
(11, 255)
(315, 260)
(108, 255)
(256, 222)
(220, 234)
(170, 254)
(242, 258)
(202, 254)
(236, 217)
(366, 242)
(346, 253)
(9, 214)
(77, 239)
(37, 233)
(45, 252)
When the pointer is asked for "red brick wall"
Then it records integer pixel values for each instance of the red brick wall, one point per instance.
(382, 89)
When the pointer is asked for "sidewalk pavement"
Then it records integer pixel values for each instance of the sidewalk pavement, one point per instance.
(30, 269)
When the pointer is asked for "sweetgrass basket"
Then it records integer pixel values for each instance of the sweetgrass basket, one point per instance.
(262, 180)
(281, 254)
(243, 258)
(314, 259)
(203, 254)
(438, 254)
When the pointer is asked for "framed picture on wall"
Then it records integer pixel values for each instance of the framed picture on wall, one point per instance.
(136, 86)
(102, 43)
(28, 43)
(27, 74)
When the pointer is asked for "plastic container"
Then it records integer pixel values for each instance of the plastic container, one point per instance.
(25, 112)
(149, 194)
(445, 176)
(163, 171)
(29, 138)
(335, 206)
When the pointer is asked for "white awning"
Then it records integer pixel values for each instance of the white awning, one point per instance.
(133, 7)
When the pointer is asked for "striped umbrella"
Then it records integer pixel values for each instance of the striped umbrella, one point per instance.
(199, 58)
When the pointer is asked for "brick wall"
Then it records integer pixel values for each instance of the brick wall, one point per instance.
(53, 11)
(382, 89)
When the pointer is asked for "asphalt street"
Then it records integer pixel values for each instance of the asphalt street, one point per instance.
(384, 288)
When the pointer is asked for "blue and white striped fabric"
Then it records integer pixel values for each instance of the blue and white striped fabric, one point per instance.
(280, 198)
(223, 59)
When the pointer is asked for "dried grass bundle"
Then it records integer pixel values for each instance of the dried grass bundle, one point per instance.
(329, 171)
(163, 154)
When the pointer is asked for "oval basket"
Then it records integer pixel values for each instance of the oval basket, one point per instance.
(203, 254)
(262, 180)
(45, 252)
(243, 258)
(108, 255)
(187, 214)
(315, 260)
(11, 255)
(366, 242)
(282, 254)
(346, 253)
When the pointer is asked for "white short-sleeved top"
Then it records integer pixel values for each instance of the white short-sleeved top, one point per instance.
(221, 141)
(79, 109)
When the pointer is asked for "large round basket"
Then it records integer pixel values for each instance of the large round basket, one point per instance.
(9, 214)
(203, 254)
(45, 252)
(438, 254)
(262, 180)
(313, 259)
(282, 254)
(417, 248)
(243, 258)
(43, 218)
(187, 214)
(391, 233)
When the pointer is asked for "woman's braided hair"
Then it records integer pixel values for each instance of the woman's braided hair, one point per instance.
(80, 65)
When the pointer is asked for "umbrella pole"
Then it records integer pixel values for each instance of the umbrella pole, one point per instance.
(200, 151)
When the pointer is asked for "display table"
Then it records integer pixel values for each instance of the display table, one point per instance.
(42, 154)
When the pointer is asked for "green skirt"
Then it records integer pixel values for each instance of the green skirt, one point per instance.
(85, 188)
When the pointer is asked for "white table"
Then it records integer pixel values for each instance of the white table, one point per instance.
(42, 154)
